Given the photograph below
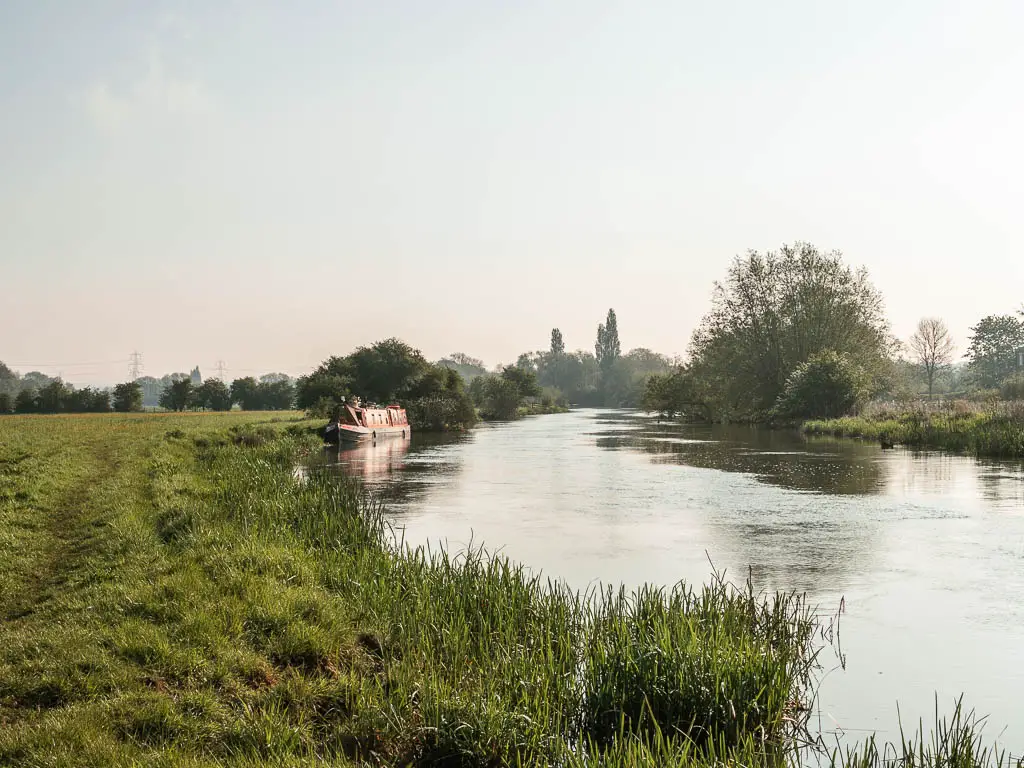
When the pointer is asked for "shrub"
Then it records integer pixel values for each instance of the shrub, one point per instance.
(445, 411)
(826, 386)
(1012, 388)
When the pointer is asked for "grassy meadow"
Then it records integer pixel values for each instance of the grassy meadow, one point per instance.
(173, 593)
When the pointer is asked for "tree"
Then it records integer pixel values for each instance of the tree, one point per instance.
(278, 395)
(623, 384)
(10, 382)
(992, 353)
(607, 349)
(274, 378)
(932, 347)
(387, 372)
(128, 397)
(246, 392)
(497, 397)
(27, 401)
(213, 395)
(6, 403)
(528, 361)
(468, 367)
(772, 313)
(177, 396)
(826, 386)
(53, 398)
(670, 394)
(525, 381)
(322, 392)
(557, 343)
(86, 400)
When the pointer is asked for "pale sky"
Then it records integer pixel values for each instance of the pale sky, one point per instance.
(272, 183)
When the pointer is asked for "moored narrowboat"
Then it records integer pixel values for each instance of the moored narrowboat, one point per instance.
(356, 424)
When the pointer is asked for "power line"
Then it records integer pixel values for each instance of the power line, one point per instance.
(221, 370)
(22, 364)
(136, 368)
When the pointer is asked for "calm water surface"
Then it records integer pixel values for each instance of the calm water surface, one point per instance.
(926, 550)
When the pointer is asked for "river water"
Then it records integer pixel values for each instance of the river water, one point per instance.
(925, 550)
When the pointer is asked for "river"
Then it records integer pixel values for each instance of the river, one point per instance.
(925, 550)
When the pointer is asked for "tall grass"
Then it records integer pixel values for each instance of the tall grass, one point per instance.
(483, 663)
(995, 430)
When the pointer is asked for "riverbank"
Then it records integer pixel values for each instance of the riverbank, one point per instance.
(172, 592)
(994, 431)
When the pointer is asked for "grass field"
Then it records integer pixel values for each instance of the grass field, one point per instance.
(173, 593)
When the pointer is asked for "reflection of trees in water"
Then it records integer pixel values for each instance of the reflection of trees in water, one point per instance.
(810, 542)
(775, 457)
(1002, 483)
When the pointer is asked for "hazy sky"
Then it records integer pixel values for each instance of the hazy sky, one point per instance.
(269, 184)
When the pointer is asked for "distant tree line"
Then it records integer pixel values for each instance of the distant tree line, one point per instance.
(273, 392)
(606, 377)
(37, 393)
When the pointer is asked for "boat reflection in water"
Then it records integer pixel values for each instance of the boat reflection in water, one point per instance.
(373, 463)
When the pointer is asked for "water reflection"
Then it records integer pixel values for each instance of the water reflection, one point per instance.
(777, 457)
(385, 467)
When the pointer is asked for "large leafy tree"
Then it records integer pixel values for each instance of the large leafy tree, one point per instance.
(213, 395)
(273, 392)
(277, 395)
(246, 392)
(177, 396)
(128, 397)
(525, 380)
(497, 397)
(772, 313)
(386, 371)
(53, 398)
(993, 349)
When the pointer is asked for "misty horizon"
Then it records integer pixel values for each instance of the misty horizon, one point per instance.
(201, 183)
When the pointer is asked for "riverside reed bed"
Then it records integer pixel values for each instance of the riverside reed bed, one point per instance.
(994, 430)
(171, 593)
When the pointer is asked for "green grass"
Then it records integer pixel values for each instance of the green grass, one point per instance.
(993, 432)
(171, 593)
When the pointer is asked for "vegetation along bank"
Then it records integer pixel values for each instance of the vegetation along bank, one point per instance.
(172, 593)
(995, 430)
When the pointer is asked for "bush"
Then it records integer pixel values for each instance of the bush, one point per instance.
(1013, 387)
(826, 386)
(444, 412)
(497, 397)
